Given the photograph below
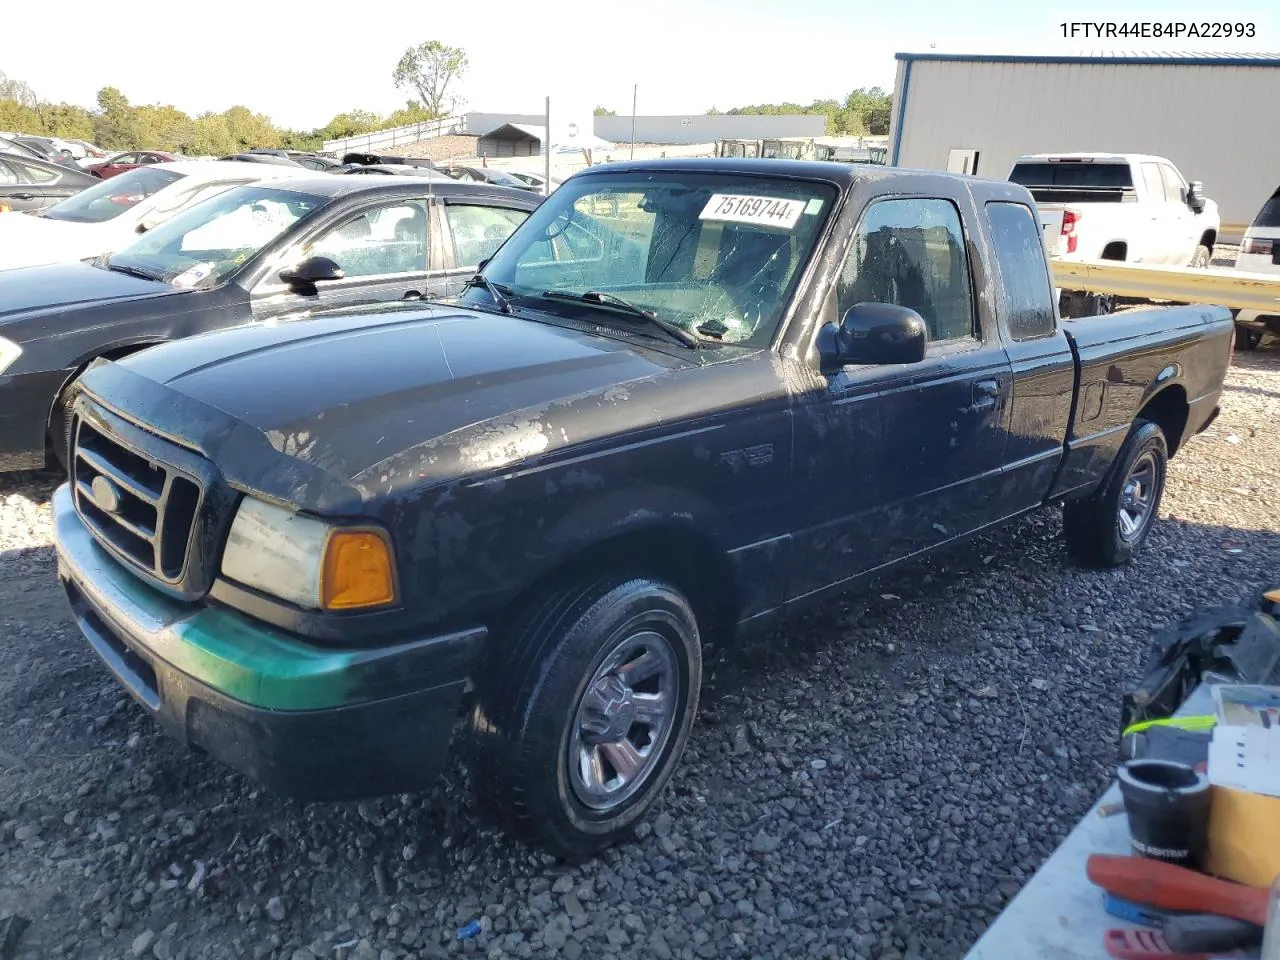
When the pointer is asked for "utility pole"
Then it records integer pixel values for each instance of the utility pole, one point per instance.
(546, 144)
(635, 92)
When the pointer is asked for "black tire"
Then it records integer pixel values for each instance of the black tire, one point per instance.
(1201, 259)
(1247, 339)
(1097, 533)
(60, 424)
(531, 705)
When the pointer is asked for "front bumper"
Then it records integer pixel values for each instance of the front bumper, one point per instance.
(313, 722)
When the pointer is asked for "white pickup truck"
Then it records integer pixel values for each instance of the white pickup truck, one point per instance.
(1119, 206)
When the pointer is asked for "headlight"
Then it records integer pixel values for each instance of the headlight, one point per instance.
(9, 352)
(308, 562)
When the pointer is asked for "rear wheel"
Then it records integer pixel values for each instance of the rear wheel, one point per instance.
(1201, 258)
(1247, 339)
(1110, 527)
(581, 724)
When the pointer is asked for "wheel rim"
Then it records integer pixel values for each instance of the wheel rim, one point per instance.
(623, 721)
(1137, 498)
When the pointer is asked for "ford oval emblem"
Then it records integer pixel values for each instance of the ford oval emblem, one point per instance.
(105, 494)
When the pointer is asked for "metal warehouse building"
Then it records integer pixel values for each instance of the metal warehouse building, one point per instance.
(1214, 115)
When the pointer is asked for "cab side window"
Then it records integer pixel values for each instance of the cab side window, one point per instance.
(385, 240)
(1019, 245)
(911, 253)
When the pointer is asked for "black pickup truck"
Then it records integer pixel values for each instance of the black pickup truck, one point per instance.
(685, 397)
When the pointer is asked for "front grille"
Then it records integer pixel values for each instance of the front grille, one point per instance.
(142, 498)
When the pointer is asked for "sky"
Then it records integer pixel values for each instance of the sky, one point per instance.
(300, 65)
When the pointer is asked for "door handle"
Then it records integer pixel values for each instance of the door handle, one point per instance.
(985, 394)
(23, 196)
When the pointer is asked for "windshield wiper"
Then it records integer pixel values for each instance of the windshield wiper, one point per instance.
(601, 298)
(495, 290)
(131, 271)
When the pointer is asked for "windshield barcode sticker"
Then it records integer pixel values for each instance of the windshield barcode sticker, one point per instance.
(740, 208)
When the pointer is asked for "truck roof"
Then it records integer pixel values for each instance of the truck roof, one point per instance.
(1103, 157)
(843, 175)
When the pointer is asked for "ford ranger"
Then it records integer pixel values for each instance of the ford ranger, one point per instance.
(685, 398)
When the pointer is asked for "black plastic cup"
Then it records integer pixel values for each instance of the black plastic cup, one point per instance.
(1167, 804)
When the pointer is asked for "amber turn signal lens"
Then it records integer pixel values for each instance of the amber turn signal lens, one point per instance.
(358, 571)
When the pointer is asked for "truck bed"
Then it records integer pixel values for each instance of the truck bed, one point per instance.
(1123, 360)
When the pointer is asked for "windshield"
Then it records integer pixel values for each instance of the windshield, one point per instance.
(206, 242)
(717, 255)
(109, 199)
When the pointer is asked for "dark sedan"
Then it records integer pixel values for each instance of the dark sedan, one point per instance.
(266, 251)
(30, 184)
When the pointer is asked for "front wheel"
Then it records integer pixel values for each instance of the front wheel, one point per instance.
(1201, 259)
(581, 724)
(1110, 527)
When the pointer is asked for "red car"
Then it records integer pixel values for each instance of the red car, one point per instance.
(127, 161)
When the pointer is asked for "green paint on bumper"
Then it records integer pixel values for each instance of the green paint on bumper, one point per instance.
(232, 654)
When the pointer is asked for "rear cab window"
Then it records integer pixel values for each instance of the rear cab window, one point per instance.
(1026, 295)
(1077, 181)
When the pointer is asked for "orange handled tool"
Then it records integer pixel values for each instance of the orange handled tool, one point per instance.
(1171, 887)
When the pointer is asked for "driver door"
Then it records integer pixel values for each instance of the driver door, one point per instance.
(383, 250)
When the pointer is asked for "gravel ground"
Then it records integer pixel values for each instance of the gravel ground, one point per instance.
(876, 780)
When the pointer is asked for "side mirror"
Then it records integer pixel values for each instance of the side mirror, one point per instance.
(303, 277)
(1195, 200)
(873, 333)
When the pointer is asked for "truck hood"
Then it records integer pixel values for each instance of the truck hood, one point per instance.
(342, 394)
(60, 285)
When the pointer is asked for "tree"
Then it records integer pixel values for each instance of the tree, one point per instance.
(18, 91)
(603, 112)
(351, 123)
(118, 126)
(411, 112)
(431, 68)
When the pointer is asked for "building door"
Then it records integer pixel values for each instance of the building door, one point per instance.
(961, 160)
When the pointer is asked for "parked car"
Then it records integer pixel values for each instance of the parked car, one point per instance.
(27, 184)
(313, 161)
(90, 153)
(109, 215)
(1259, 253)
(280, 246)
(531, 508)
(9, 145)
(43, 148)
(1131, 207)
(397, 170)
(251, 156)
(118, 164)
(534, 179)
(374, 159)
(489, 175)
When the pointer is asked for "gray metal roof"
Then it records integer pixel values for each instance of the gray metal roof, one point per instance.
(1153, 58)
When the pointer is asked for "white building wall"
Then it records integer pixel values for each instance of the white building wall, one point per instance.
(1219, 124)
